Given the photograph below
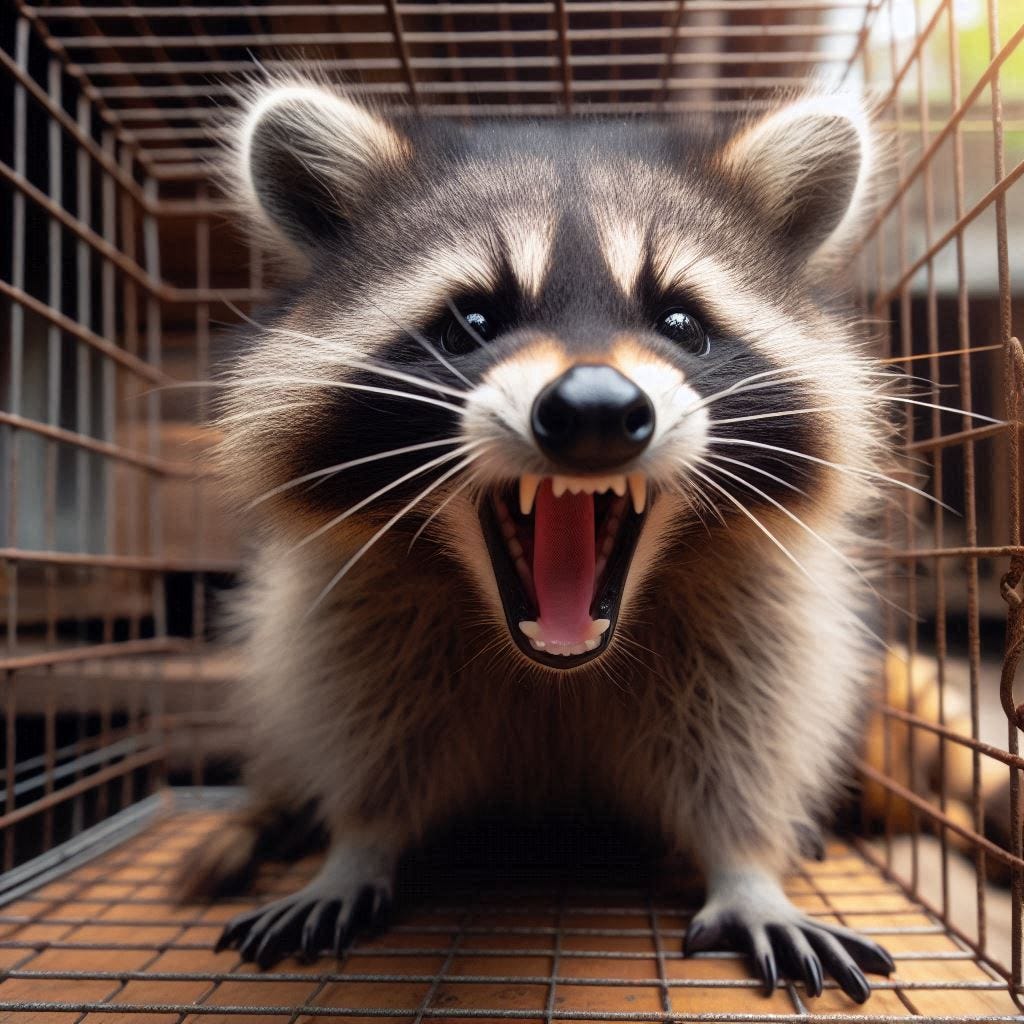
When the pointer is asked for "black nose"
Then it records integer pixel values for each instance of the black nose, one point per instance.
(592, 419)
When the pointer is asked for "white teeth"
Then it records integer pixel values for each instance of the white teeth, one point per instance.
(638, 491)
(531, 630)
(587, 484)
(529, 484)
(565, 650)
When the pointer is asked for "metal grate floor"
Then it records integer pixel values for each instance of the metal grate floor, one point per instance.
(105, 942)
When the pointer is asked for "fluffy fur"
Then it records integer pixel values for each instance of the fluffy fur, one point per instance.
(393, 694)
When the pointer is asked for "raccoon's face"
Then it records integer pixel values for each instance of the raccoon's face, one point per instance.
(564, 344)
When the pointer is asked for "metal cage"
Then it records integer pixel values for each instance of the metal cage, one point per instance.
(118, 267)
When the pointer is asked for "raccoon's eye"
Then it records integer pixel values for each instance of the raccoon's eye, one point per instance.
(685, 331)
(463, 334)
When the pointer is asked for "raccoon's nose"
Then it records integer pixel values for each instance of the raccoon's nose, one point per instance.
(592, 418)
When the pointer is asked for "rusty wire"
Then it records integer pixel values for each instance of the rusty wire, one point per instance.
(124, 101)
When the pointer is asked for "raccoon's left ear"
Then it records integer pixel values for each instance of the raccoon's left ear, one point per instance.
(309, 159)
(807, 167)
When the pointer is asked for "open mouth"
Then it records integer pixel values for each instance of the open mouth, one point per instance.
(561, 548)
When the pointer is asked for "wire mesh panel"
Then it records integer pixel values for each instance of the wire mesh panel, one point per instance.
(107, 942)
(118, 271)
(937, 265)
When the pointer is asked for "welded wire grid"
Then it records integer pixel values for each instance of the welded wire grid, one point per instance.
(108, 940)
(120, 271)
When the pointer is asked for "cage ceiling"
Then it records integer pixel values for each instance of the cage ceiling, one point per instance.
(163, 72)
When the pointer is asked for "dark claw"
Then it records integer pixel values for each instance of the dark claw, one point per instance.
(259, 928)
(797, 957)
(380, 911)
(764, 958)
(854, 984)
(342, 929)
(236, 927)
(868, 955)
(840, 964)
(813, 978)
(768, 972)
(320, 920)
(279, 938)
(701, 936)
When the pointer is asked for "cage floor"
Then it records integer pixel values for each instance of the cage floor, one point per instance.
(105, 942)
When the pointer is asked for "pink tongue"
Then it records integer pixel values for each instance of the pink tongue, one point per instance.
(563, 564)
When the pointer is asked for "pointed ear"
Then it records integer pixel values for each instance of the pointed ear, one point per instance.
(308, 157)
(807, 166)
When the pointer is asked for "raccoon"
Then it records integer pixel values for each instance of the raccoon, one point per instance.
(549, 458)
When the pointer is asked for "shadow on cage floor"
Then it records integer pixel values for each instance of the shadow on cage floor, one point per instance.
(592, 931)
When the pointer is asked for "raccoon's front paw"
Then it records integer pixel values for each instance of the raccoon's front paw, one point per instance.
(750, 913)
(308, 922)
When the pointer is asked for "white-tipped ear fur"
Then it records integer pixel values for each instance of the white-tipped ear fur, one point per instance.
(809, 166)
(306, 156)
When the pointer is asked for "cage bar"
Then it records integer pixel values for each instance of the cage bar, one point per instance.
(118, 271)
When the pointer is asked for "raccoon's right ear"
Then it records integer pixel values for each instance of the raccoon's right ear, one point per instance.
(308, 157)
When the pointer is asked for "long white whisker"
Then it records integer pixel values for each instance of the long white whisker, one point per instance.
(780, 375)
(353, 386)
(814, 533)
(942, 408)
(339, 575)
(439, 461)
(422, 341)
(782, 547)
(832, 408)
(871, 474)
(437, 511)
(776, 415)
(342, 466)
(264, 410)
(359, 364)
(739, 386)
(755, 469)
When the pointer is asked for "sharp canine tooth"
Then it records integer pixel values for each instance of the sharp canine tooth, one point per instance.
(559, 485)
(529, 483)
(638, 491)
(530, 628)
(598, 627)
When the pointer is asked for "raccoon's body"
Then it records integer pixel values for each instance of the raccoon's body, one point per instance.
(622, 444)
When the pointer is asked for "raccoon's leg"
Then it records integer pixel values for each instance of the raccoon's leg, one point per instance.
(351, 891)
(747, 909)
(225, 863)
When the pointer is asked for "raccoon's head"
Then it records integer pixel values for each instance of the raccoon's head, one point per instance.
(563, 343)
